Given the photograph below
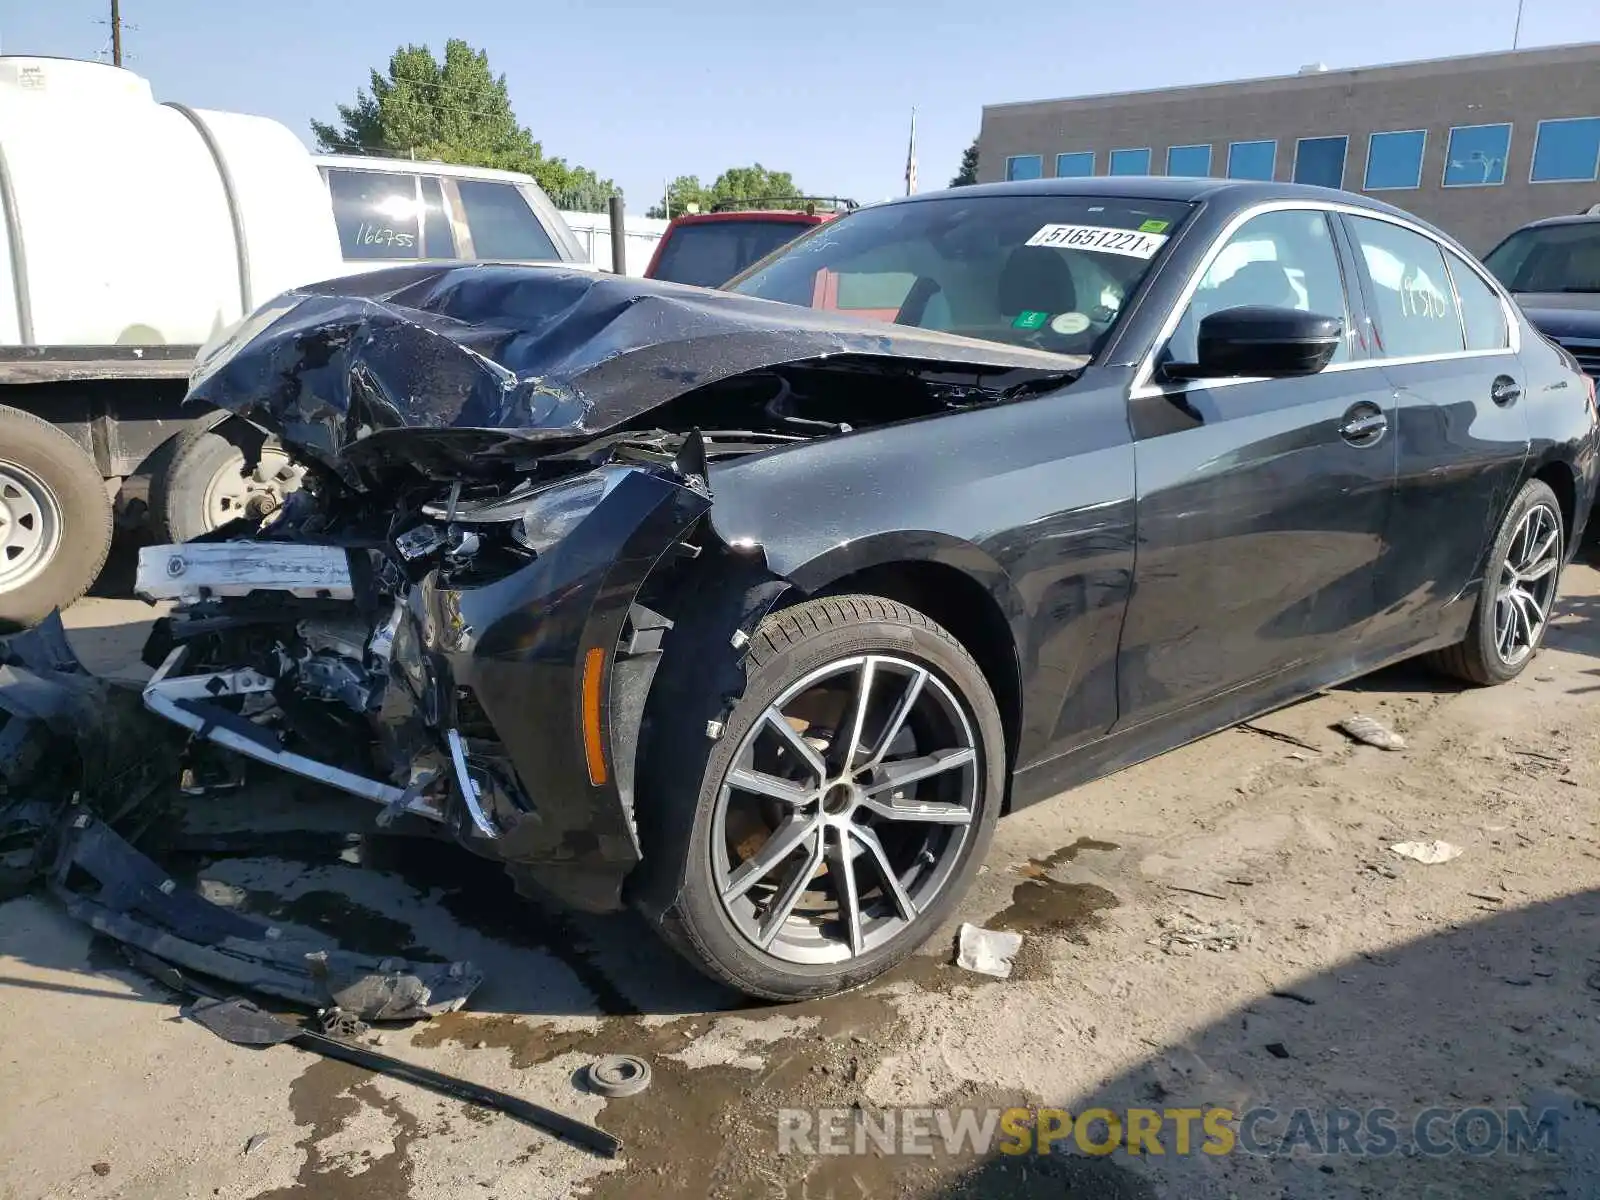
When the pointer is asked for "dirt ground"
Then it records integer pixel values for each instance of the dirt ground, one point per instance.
(1330, 972)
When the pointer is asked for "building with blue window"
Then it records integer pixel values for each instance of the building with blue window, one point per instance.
(1478, 145)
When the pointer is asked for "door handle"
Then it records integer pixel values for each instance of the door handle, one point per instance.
(1505, 391)
(1363, 425)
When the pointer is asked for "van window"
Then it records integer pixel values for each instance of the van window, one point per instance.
(438, 239)
(501, 223)
(376, 213)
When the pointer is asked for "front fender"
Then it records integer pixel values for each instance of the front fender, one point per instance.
(514, 649)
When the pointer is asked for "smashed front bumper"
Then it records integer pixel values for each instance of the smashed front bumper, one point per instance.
(527, 691)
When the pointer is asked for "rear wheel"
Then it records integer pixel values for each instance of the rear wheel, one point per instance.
(1517, 594)
(206, 484)
(55, 519)
(837, 821)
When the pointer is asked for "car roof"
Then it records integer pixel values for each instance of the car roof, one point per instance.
(1576, 219)
(1239, 193)
(418, 166)
(787, 216)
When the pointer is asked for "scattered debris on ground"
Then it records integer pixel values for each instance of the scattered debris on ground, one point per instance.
(1187, 933)
(243, 1023)
(987, 951)
(1371, 732)
(618, 1075)
(1430, 853)
(137, 904)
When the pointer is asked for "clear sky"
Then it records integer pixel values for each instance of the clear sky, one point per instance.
(644, 92)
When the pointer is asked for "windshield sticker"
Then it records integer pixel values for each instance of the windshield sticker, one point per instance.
(1154, 226)
(1030, 318)
(1101, 239)
(1070, 323)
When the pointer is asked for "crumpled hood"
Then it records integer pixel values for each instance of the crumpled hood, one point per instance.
(506, 356)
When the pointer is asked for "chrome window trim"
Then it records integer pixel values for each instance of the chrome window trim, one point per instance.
(1094, 159)
(1533, 158)
(1271, 174)
(1208, 147)
(1144, 385)
(1344, 159)
(1511, 137)
(1422, 158)
(1147, 151)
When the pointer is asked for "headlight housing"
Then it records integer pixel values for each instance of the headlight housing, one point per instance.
(554, 512)
(539, 517)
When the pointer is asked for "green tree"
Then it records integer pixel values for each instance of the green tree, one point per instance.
(968, 174)
(454, 111)
(736, 185)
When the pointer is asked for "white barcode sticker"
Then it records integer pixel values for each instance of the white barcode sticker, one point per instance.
(1101, 239)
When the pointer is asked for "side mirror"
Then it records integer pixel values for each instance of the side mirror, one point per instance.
(1258, 341)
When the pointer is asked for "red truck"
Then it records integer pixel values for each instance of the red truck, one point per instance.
(708, 249)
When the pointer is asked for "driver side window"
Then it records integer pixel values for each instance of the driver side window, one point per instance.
(1283, 259)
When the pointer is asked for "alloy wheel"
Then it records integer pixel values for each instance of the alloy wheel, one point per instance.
(1527, 584)
(30, 526)
(845, 809)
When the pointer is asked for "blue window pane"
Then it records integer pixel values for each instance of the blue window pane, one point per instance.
(1024, 166)
(1252, 160)
(1189, 160)
(1567, 150)
(1130, 162)
(1320, 161)
(1394, 160)
(1477, 155)
(1075, 165)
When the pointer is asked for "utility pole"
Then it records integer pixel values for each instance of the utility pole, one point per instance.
(116, 33)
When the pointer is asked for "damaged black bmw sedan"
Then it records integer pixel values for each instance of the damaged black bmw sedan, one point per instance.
(755, 608)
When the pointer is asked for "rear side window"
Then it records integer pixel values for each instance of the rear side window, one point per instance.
(1416, 310)
(376, 214)
(501, 223)
(709, 253)
(1481, 311)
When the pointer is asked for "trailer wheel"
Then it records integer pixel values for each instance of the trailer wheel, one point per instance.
(206, 484)
(55, 520)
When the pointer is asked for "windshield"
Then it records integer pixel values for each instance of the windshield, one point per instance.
(1550, 258)
(1052, 272)
(709, 253)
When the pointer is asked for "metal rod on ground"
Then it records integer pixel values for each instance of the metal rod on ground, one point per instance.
(619, 236)
(242, 1023)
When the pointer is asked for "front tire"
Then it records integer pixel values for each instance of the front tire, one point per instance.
(55, 520)
(1518, 591)
(839, 817)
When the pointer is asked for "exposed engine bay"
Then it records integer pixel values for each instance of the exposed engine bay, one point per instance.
(508, 472)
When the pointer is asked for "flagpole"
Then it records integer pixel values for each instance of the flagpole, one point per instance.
(911, 157)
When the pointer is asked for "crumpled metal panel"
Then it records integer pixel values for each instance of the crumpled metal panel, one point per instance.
(135, 902)
(490, 358)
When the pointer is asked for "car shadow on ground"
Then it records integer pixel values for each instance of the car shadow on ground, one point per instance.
(1476, 1032)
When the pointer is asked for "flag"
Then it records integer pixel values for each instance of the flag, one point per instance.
(911, 158)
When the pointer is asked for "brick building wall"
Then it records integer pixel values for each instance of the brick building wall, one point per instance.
(1519, 88)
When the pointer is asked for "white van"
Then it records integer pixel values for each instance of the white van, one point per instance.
(131, 232)
(392, 210)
